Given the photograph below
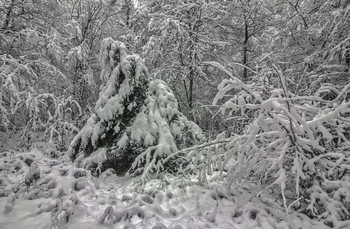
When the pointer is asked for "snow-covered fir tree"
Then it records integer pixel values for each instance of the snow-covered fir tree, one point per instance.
(136, 121)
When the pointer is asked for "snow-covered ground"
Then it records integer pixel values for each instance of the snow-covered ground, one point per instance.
(37, 191)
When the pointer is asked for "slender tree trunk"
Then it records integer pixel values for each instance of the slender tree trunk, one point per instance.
(77, 86)
(193, 62)
(190, 89)
(128, 13)
(1, 103)
(347, 58)
(245, 49)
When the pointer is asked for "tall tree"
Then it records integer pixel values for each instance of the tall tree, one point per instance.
(178, 37)
(244, 23)
(136, 123)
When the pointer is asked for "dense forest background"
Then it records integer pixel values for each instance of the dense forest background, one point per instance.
(268, 82)
(50, 55)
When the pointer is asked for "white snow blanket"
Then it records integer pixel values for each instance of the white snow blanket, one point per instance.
(40, 192)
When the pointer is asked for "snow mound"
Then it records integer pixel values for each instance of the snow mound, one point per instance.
(65, 196)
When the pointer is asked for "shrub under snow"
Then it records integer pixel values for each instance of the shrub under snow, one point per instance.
(136, 121)
(296, 146)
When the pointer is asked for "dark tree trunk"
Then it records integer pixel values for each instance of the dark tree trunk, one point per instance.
(8, 15)
(245, 49)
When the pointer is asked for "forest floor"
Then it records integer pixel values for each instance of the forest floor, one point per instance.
(65, 196)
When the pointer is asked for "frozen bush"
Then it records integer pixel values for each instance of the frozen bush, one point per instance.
(136, 122)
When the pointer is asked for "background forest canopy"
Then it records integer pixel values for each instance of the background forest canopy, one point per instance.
(267, 81)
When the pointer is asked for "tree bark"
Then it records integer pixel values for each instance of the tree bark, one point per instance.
(245, 48)
(128, 13)
(8, 15)
(190, 90)
(1, 103)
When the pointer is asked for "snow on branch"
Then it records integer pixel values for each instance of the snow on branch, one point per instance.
(294, 142)
(136, 122)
